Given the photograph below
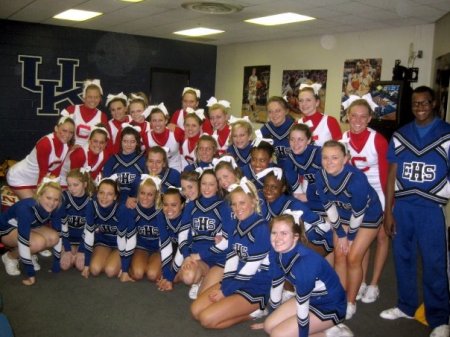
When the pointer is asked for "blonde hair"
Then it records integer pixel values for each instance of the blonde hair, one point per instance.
(85, 178)
(240, 124)
(150, 183)
(253, 194)
(45, 186)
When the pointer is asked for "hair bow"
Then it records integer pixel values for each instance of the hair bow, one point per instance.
(228, 159)
(99, 180)
(155, 179)
(128, 125)
(179, 189)
(242, 184)
(315, 87)
(136, 97)
(236, 119)
(200, 113)
(197, 91)
(100, 128)
(210, 102)
(278, 172)
(201, 170)
(367, 97)
(308, 123)
(160, 106)
(259, 138)
(297, 215)
(85, 169)
(88, 83)
(45, 181)
(112, 97)
(345, 142)
(64, 116)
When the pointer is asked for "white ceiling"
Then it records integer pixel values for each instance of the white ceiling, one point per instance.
(160, 18)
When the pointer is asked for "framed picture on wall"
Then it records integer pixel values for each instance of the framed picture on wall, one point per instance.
(388, 96)
(255, 92)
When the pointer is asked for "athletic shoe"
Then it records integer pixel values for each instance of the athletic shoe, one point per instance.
(193, 292)
(45, 253)
(286, 295)
(361, 291)
(371, 294)
(340, 330)
(258, 313)
(11, 265)
(441, 331)
(351, 310)
(394, 313)
(34, 260)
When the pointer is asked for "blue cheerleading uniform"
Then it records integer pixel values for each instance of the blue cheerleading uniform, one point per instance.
(246, 269)
(168, 237)
(280, 136)
(241, 156)
(197, 164)
(316, 284)
(301, 170)
(24, 216)
(317, 230)
(128, 168)
(349, 200)
(422, 189)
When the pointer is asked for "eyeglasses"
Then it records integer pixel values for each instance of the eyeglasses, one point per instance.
(421, 104)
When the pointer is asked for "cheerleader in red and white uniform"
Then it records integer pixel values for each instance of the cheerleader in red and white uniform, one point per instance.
(192, 131)
(117, 105)
(323, 127)
(218, 114)
(137, 104)
(91, 156)
(190, 99)
(160, 135)
(368, 151)
(45, 159)
(86, 115)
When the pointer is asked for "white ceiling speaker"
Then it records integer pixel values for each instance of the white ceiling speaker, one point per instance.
(207, 7)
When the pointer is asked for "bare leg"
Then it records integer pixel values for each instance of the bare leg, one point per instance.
(154, 267)
(113, 264)
(381, 254)
(214, 276)
(24, 193)
(138, 265)
(98, 260)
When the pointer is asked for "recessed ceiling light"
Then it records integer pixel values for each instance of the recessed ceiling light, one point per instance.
(76, 15)
(200, 31)
(280, 19)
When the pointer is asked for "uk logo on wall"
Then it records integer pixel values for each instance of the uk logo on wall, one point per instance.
(53, 92)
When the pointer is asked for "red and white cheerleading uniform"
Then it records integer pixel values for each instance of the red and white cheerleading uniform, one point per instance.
(178, 119)
(368, 151)
(323, 127)
(115, 128)
(46, 158)
(83, 157)
(187, 151)
(222, 137)
(170, 140)
(85, 119)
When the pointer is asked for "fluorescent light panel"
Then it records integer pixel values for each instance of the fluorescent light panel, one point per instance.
(199, 31)
(76, 15)
(280, 19)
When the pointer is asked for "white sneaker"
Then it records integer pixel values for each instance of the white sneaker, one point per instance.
(258, 313)
(351, 310)
(45, 253)
(394, 313)
(11, 265)
(340, 330)
(34, 260)
(193, 292)
(286, 295)
(361, 291)
(371, 294)
(441, 331)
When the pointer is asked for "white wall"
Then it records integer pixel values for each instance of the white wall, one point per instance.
(307, 53)
(442, 37)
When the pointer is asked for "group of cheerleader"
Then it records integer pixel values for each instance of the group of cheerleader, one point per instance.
(202, 199)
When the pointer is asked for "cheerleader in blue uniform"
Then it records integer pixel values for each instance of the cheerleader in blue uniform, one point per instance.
(301, 166)
(205, 152)
(261, 158)
(203, 238)
(129, 163)
(240, 140)
(189, 185)
(277, 128)
(246, 281)
(72, 215)
(143, 235)
(22, 228)
(318, 231)
(319, 305)
(107, 222)
(355, 212)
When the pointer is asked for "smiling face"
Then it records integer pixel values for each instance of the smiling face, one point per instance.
(189, 100)
(422, 108)
(64, 132)
(205, 151)
(172, 205)
(106, 194)
(155, 163)
(208, 185)
(191, 127)
(137, 111)
(358, 118)
(260, 160)
(97, 142)
(147, 195)
(158, 122)
(282, 237)
(118, 110)
(92, 97)
(277, 113)
(307, 102)
(226, 177)
(49, 199)
(189, 189)
(273, 188)
(240, 137)
(242, 204)
(298, 141)
(333, 160)
(218, 118)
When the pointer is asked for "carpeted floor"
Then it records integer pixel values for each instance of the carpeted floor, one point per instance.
(67, 305)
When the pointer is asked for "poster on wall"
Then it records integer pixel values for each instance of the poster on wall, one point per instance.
(290, 86)
(358, 77)
(255, 91)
